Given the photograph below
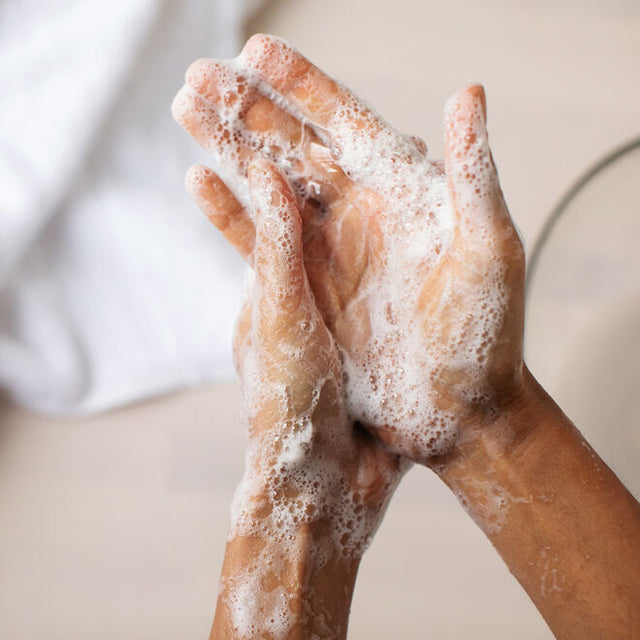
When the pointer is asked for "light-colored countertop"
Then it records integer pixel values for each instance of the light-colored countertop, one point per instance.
(114, 526)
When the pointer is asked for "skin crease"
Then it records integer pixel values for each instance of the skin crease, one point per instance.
(517, 464)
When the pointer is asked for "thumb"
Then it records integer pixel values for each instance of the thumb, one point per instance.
(281, 286)
(472, 179)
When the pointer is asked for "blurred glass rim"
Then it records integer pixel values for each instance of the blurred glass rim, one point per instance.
(556, 214)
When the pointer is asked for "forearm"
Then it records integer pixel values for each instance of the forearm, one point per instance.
(284, 590)
(292, 554)
(567, 528)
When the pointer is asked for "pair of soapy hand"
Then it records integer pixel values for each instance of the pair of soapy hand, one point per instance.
(379, 301)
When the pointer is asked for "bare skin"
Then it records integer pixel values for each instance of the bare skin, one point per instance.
(562, 521)
(564, 524)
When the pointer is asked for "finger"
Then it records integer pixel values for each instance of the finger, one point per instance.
(357, 134)
(318, 96)
(217, 202)
(472, 179)
(220, 84)
(241, 106)
(281, 285)
(295, 148)
(203, 123)
(264, 128)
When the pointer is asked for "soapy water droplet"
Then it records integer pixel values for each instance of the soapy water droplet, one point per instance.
(313, 188)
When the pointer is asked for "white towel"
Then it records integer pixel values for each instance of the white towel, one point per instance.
(113, 287)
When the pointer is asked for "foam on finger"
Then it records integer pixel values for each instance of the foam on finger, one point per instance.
(221, 207)
(360, 140)
(278, 263)
(471, 173)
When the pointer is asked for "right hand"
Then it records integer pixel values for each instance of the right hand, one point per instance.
(426, 304)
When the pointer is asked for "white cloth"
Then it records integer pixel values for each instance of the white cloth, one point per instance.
(113, 286)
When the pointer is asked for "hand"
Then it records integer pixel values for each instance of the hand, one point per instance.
(419, 277)
(441, 300)
(315, 486)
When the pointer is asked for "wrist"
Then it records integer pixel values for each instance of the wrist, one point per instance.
(285, 572)
(314, 497)
(508, 436)
(561, 520)
(313, 474)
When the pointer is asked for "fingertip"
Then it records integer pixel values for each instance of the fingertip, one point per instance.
(214, 80)
(214, 198)
(274, 60)
(256, 49)
(198, 72)
(270, 191)
(472, 178)
(260, 45)
(254, 44)
(465, 124)
(465, 101)
(211, 195)
(478, 94)
(196, 178)
(180, 104)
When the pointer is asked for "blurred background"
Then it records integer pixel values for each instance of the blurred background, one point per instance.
(120, 439)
